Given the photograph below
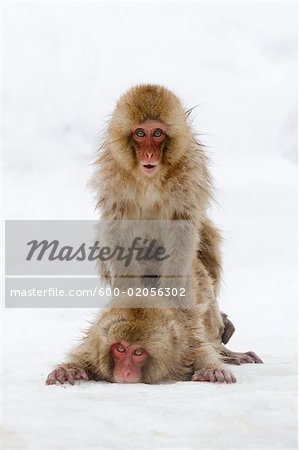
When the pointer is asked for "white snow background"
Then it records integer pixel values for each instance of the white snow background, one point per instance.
(64, 66)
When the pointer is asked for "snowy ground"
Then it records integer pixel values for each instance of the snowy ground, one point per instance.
(64, 66)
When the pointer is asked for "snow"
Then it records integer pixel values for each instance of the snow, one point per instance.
(64, 66)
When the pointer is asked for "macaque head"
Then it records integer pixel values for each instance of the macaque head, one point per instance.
(141, 345)
(148, 132)
(128, 360)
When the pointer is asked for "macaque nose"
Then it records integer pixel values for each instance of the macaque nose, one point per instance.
(126, 373)
(149, 155)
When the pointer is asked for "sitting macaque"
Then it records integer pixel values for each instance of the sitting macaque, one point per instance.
(148, 345)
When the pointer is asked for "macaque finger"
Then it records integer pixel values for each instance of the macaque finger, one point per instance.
(256, 359)
(246, 359)
(51, 379)
(61, 375)
(232, 360)
(81, 375)
(219, 376)
(229, 377)
(71, 376)
(84, 375)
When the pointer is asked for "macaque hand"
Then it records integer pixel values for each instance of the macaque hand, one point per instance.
(64, 375)
(214, 376)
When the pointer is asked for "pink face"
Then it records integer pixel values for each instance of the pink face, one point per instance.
(149, 138)
(128, 362)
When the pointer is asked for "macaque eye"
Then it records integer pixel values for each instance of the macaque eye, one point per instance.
(158, 132)
(139, 132)
(120, 349)
(139, 352)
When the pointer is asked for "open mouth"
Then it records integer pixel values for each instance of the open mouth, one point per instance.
(149, 168)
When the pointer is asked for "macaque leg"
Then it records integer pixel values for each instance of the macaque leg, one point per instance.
(208, 367)
(210, 255)
(204, 294)
(67, 373)
(237, 358)
(217, 326)
(220, 330)
(209, 252)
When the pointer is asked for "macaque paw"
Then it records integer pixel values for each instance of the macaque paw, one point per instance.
(214, 376)
(243, 358)
(64, 375)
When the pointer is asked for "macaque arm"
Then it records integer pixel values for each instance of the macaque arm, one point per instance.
(209, 251)
(81, 363)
